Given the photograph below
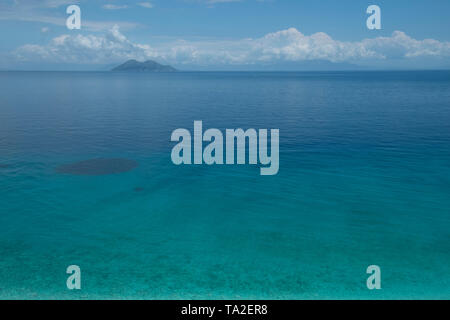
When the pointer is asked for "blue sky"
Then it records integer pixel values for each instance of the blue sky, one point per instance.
(225, 34)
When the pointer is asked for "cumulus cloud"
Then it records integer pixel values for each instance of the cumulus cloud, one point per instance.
(288, 45)
(84, 49)
(292, 45)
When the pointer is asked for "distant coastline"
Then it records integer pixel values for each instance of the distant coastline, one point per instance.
(109, 70)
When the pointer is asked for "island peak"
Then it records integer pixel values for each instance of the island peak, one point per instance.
(146, 66)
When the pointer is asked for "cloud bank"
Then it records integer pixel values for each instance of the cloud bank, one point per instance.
(288, 45)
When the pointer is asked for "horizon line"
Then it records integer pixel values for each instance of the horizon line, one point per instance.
(243, 71)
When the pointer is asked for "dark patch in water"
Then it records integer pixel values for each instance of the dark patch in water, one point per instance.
(138, 189)
(4, 166)
(98, 167)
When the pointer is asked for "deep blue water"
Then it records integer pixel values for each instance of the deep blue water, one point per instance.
(364, 179)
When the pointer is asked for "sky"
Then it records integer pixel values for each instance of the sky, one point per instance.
(225, 34)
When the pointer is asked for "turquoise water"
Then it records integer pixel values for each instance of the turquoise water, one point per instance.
(364, 179)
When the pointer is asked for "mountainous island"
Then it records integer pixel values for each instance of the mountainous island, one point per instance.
(146, 66)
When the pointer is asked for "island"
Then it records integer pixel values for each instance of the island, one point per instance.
(146, 66)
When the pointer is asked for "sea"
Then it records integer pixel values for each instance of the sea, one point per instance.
(364, 180)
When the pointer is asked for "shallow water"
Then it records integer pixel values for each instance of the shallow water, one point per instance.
(364, 179)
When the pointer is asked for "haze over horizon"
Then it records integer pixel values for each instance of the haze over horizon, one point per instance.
(224, 35)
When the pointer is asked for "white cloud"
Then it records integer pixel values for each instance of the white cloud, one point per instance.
(113, 46)
(147, 5)
(110, 6)
(292, 45)
(221, 1)
(283, 46)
